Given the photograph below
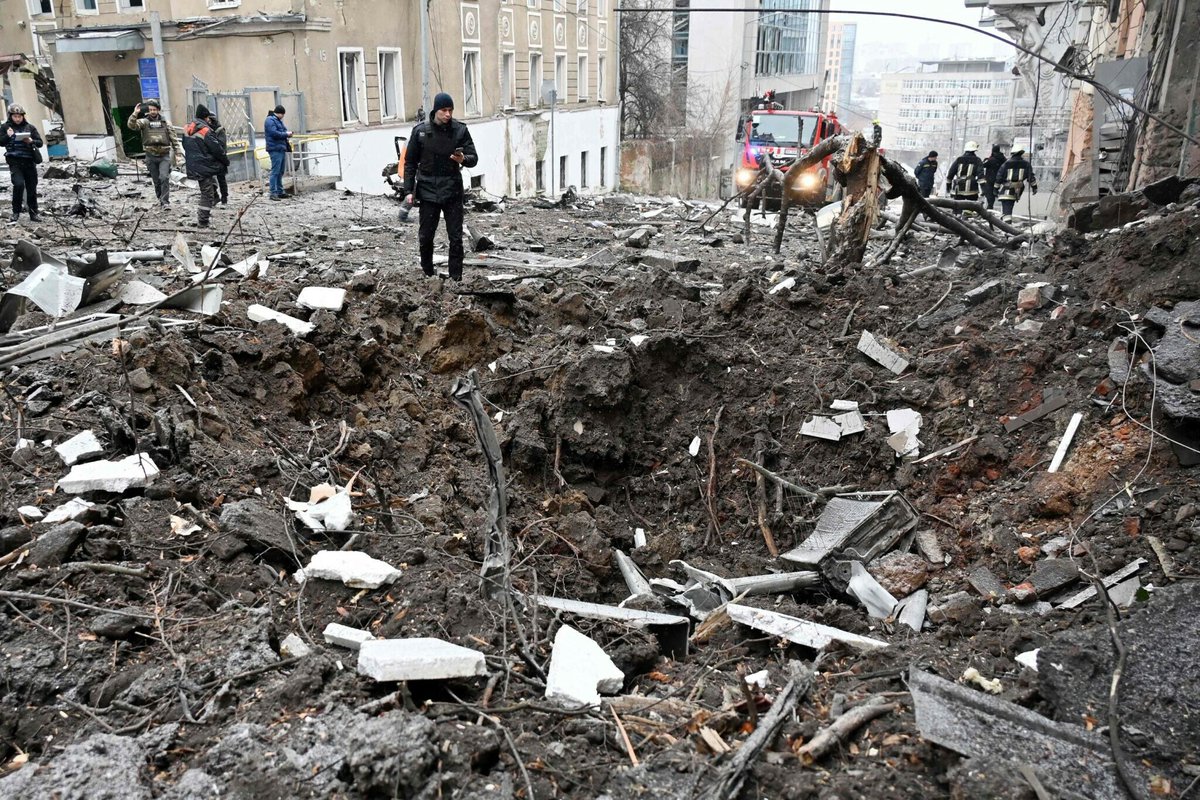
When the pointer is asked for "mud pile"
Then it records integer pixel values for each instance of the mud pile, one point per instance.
(144, 638)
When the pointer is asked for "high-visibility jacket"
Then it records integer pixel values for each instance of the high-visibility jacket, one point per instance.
(1015, 173)
(963, 178)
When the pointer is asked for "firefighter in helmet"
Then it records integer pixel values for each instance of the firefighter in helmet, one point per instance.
(1015, 173)
(962, 179)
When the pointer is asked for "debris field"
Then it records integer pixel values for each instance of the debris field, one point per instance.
(637, 509)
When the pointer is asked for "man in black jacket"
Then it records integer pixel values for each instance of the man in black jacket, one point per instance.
(437, 151)
(205, 157)
(926, 172)
(21, 142)
(991, 173)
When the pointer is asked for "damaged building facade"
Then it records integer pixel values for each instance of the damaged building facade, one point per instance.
(350, 75)
(1141, 51)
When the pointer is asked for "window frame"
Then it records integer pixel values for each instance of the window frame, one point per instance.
(395, 52)
(467, 111)
(582, 85)
(583, 169)
(89, 12)
(35, 8)
(126, 7)
(601, 79)
(560, 92)
(509, 101)
(218, 4)
(360, 79)
(535, 89)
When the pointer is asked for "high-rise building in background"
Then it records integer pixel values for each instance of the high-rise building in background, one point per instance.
(839, 66)
(944, 104)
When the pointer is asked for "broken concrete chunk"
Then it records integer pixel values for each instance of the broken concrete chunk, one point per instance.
(1109, 581)
(986, 583)
(57, 544)
(322, 297)
(418, 660)
(983, 292)
(294, 647)
(260, 313)
(927, 544)
(79, 446)
(71, 509)
(352, 567)
(133, 472)
(875, 350)
(969, 722)
(31, 512)
(1035, 295)
(640, 237)
(671, 261)
(1051, 574)
(799, 631)
(580, 670)
(345, 636)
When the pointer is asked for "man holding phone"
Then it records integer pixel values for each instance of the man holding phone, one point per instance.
(437, 151)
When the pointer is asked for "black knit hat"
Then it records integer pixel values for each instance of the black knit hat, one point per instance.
(202, 112)
(442, 100)
(932, 154)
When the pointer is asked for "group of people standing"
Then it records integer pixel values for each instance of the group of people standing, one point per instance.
(998, 177)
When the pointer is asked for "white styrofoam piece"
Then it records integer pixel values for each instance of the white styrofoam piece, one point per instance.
(81, 445)
(293, 646)
(844, 405)
(68, 510)
(580, 670)
(345, 636)
(331, 514)
(352, 567)
(132, 472)
(260, 313)
(418, 660)
(322, 297)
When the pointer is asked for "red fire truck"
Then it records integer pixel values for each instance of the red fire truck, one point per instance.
(770, 131)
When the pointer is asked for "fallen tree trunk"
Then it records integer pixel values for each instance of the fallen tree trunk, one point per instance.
(857, 168)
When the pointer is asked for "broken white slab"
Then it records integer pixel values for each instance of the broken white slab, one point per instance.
(1061, 453)
(68, 510)
(352, 567)
(786, 283)
(844, 405)
(132, 472)
(30, 512)
(1125, 592)
(294, 647)
(260, 313)
(322, 297)
(333, 513)
(183, 253)
(911, 610)
(639, 537)
(875, 350)
(879, 602)
(580, 670)
(604, 348)
(345, 636)
(418, 660)
(1028, 659)
(800, 631)
(1109, 581)
(139, 293)
(822, 428)
(904, 425)
(81, 445)
(52, 289)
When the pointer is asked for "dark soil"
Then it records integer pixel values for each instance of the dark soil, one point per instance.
(192, 699)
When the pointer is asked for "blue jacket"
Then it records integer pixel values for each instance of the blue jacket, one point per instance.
(925, 172)
(276, 132)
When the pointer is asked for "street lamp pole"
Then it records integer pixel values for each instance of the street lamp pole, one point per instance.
(953, 126)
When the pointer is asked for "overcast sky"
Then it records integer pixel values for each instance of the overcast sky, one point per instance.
(943, 40)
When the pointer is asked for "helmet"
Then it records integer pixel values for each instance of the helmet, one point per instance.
(16, 109)
(972, 147)
(153, 102)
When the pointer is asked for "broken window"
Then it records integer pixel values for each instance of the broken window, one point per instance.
(562, 172)
(535, 79)
(540, 175)
(583, 170)
(603, 166)
(583, 78)
(560, 78)
(353, 85)
(390, 99)
(471, 104)
(508, 79)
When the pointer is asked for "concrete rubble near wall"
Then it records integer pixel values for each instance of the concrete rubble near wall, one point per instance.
(243, 521)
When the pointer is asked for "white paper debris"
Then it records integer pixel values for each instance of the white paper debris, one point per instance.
(821, 428)
(1028, 659)
(638, 339)
(905, 425)
(182, 527)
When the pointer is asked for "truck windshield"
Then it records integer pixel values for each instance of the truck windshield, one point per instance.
(783, 130)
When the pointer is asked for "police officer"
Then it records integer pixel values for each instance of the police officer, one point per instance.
(1015, 173)
(161, 145)
(962, 180)
(433, 162)
(991, 174)
(926, 172)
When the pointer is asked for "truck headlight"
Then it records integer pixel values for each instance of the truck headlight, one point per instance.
(809, 180)
(745, 176)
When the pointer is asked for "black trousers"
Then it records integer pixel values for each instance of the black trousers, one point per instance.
(989, 191)
(223, 186)
(23, 173)
(1006, 207)
(429, 213)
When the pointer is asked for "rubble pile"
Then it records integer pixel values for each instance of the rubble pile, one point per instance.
(639, 508)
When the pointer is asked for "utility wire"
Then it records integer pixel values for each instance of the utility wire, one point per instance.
(1104, 90)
